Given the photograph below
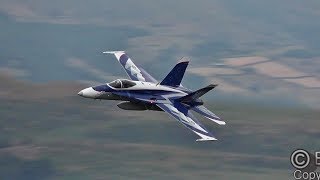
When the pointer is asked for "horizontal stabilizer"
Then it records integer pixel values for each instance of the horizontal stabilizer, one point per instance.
(197, 94)
(175, 76)
(208, 114)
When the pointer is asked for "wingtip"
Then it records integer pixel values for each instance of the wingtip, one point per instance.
(207, 139)
(112, 52)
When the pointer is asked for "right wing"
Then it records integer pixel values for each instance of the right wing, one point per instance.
(183, 115)
(134, 72)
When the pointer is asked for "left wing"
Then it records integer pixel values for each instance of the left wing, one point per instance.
(134, 72)
(183, 115)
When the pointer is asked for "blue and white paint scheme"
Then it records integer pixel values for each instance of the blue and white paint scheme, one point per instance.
(143, 92)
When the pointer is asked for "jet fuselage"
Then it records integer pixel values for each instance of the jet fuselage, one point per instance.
(135, 91)
(143, 92)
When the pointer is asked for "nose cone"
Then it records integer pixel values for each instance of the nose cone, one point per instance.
(80, 93)
(88, 93)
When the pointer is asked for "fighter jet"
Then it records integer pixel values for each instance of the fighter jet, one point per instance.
(143, 92)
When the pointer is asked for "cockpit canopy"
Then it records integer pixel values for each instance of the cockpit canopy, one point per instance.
(122, 83)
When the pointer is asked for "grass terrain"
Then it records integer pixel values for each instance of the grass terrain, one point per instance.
(76, 138)
(47, 132)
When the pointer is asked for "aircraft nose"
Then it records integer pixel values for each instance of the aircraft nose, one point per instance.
(80, 93)
(88, 93)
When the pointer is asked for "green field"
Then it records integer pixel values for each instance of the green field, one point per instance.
(68, 137)
(263, 54)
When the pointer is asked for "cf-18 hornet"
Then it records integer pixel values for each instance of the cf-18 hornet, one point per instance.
(143, 92)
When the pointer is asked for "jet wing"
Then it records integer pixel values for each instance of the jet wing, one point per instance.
(183, 115)
(134, 72)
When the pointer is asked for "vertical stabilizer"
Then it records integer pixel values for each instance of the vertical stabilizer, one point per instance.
(175, 76)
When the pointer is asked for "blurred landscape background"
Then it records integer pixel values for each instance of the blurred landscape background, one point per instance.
(264, 56)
